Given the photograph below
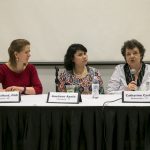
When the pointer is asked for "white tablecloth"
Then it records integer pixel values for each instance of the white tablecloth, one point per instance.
(87, 100)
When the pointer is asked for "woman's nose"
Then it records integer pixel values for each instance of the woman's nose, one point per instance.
(132, 55)
(84, 56)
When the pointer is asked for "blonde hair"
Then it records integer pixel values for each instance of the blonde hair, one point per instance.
(16, 46)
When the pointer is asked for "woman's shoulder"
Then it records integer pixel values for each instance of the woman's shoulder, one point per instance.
(92, 70)
(66, 73)
(30, 66)
(119, 67)
(3, 67)
(147, 67)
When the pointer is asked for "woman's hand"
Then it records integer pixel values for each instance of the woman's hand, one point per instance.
(132, 86)
(15, 88)
(22, 90)
(2, 90)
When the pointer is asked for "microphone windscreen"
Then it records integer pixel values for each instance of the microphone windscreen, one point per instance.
(133, 72)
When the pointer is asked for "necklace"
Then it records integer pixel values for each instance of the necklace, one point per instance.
(81, 75)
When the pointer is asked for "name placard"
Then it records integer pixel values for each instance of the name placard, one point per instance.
(10, 97)
(136, 96)
(63, 97)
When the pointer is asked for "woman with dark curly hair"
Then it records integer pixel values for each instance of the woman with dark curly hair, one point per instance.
(77, 72)
(134, 73)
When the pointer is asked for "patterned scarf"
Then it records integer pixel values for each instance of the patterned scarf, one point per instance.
(129, 76)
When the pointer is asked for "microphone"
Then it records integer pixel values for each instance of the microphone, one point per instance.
(56, 79)
(132, 71)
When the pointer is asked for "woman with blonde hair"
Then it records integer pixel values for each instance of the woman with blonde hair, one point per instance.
(17, 74)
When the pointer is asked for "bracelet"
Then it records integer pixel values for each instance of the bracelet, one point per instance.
(24, 90)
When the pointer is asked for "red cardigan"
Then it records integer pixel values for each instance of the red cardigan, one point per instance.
(27, 78)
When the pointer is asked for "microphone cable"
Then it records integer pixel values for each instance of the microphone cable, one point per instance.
(104, 119)
(110, 102)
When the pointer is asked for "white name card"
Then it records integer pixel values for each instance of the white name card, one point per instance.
(63, 97)
(10, 97)
(136, 96)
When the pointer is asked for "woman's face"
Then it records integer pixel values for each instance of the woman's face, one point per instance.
(80, 58)
(133, 57)
(23, 56)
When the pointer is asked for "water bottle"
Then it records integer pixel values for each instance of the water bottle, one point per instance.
(77, 87)
(95, 87)
(148, 84)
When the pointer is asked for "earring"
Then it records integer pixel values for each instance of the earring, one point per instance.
(17, 59)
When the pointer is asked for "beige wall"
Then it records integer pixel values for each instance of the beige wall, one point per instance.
(52, 25)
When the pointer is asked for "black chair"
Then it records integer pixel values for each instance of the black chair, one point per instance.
(56, 78)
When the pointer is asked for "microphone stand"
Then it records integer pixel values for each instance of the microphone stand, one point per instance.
(56, 79)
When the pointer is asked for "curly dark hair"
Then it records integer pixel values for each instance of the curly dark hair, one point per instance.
(72, 49)
(130, 44)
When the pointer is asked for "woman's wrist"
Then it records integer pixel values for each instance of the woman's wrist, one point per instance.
(24, 90)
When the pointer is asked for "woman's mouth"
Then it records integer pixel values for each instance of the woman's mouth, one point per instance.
(132, 61)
